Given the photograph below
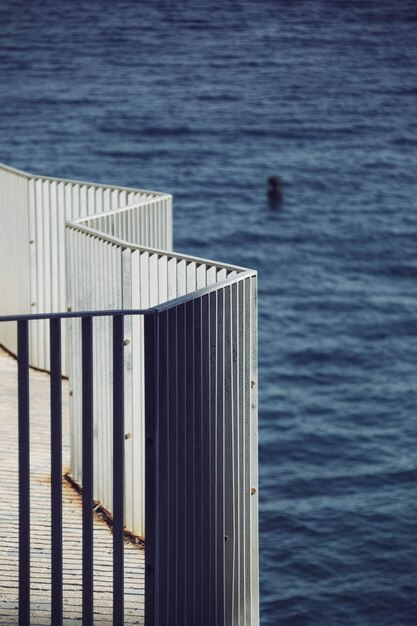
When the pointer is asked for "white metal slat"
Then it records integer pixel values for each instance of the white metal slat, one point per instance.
(172, 279)
(254, 597)
(61, 246)
(211, 275)
(93, 278)
(191, 277)
(115, 199)
(106, 416)
(144, 281)
(76, 378)
(91, 200)
(47, 265)
(170, 230)
(106, 423)
(98, 201)
(154, 221)
(221, 275)
(129, 232)
(141, 232)
(40, 303)
(244, 494)
(122, 199)
(75, 208)
(148, 227)
(127, 303)
(83, 201)
(54, 246)
(131, 198)
(125, 225)
(68, 201)
(106, 199)
(71, 334)
(137, 378)
(153, 280)
(162, 279)
(34, 348)
(201, 276)
(108, 381)
(181, 278)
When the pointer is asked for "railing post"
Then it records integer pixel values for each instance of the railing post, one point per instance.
(56, 471)
(87, 467)
(151, 479)
(24, 473)
(118, 470)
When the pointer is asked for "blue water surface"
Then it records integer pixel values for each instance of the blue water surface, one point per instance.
(205, 100)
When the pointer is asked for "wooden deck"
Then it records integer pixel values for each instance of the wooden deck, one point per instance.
(40, 521)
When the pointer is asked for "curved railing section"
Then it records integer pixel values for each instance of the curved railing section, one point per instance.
(34, 211)
(76, 246)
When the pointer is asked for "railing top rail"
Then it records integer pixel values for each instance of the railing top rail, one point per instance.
(203, 291)
(156, 194)
(75, 225)
(72, 314)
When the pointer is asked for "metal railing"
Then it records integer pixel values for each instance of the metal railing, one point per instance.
(54, 321)
(107, 272)
(188, 390)
(33, 213)
(201, 458)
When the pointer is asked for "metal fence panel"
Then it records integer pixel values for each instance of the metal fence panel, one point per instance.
(33, 213)
(104, 272)
(146, 223)
(201, 464)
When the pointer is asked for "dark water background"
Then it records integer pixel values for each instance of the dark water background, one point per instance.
(206, 100)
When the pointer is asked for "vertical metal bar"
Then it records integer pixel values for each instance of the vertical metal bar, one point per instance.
(198, 537)
(219, 443)
(87, 467)
(56, 470)
(191, 444)
(207, 361)
(254, 451)
(118, 469)
(152, 573)
(211, 470)
(24, 473)
(172, 509)
(229, 509)
(162, 471)
(183, 456)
